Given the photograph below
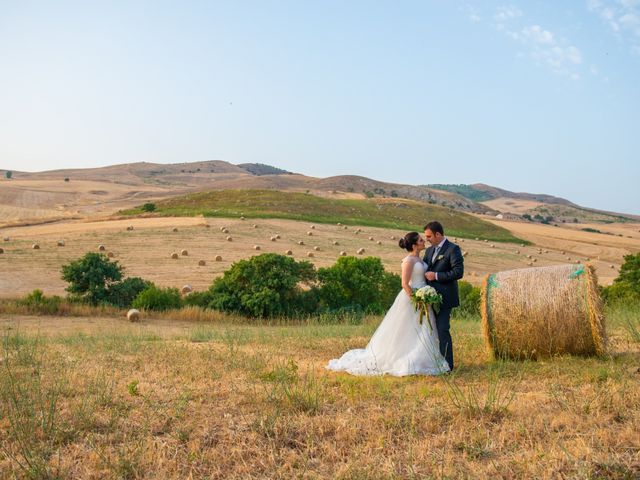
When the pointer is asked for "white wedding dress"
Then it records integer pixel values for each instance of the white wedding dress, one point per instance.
(401, 345)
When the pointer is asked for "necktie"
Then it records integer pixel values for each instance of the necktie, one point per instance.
(435, 254)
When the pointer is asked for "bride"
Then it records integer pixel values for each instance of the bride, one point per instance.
(401, 345)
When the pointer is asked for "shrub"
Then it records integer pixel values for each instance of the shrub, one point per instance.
(358, 284)
(89, 278)
(122, 294)
(469, 300)
(198, 299)
(155, 298)
(626, 287)
(267, 285)
(37, 302)
(8, 174)
(148, 207)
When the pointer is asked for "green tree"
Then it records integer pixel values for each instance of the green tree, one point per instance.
(148, 207)
(90, 277)
(469, 300)
(358, 284)
(267, 285)
(8, 174)
(154, 298)
(122, 294)
(626, 287)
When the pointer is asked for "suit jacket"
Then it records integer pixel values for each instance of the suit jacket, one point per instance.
(449, 265)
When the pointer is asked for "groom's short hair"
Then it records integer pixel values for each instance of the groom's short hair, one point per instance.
(435, 227)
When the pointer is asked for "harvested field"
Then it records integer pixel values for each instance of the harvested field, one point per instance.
(166, 398)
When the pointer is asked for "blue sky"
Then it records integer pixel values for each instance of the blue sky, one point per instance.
(539, 97)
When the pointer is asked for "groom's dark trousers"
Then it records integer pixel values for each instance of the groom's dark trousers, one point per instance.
(443, 325)
(449, 266)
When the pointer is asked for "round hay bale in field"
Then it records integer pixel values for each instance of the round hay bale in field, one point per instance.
(371, 239)
(229, 239)
(309, 233)
(241, 218)
(317, 249)
(61, 243)
(612, 266)
(343, 253)
(300, 242)
(309, 254)
(393, 237)
(277, 236)
(518, 252)
(110, 254)
(378, 242)
(174, 255)
(539, 312)
(222, 229)
(256, 247)
(184, 253)
(360, 251)
(312, 227)
(225, 230)
(102, 248)
(218, 258)
(6, 239)
(129, 228)
(335, 242)
(133, 315)
(288, 252)
(35, 246)
(273, 239)
(254, 226)
(175, 229)
(201, 263)
(492, 246)
(186, 289)
(345, 227)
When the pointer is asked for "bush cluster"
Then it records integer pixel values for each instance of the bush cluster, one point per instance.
(264, 286)
(626, 287)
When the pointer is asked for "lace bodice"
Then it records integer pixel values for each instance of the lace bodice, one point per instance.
(417, 275)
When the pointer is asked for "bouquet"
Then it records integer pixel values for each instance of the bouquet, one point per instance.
(422, 298)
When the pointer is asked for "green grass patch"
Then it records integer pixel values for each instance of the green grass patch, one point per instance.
(399, 214)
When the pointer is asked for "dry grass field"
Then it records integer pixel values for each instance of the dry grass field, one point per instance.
(99, 398)
(146, 250)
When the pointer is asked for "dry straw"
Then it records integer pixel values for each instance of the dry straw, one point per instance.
(544, 311)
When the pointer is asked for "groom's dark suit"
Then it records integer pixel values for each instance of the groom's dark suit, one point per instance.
(449, 266)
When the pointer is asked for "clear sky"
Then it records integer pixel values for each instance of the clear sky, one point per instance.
(536, 96)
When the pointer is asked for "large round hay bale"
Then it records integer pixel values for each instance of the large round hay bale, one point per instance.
(35, 246)
(186, 289)
(174, 255)
(201, 263)
(133, 315)
(61, 243)
(543, 311)
(6, 239)
(184, 252)
(101, 248)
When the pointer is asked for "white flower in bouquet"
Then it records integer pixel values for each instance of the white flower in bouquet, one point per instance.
(423, 297)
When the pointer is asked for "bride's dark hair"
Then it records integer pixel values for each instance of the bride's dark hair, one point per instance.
(409, 240)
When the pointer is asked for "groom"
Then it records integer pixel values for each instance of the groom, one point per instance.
(445, 267)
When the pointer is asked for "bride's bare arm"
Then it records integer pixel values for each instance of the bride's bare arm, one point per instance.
(407, 269)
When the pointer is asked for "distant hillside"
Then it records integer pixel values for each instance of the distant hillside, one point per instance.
(466, 191)
(262, 169)
(401, 214)
(532, 206)
(118, 186)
